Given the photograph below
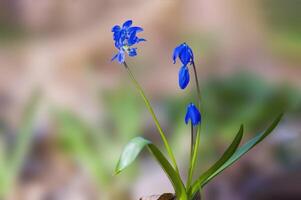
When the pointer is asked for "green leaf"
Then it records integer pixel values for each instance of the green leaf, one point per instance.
(23, 143)
(26, 132)
(173, 176)
(241, 151)
(228, 153)
(245, 148)
(74, 137)
(130, 153)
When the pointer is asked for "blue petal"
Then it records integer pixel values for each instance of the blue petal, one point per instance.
(127, 24)
(141, 40)
(121, 56)
(184, 77)
(191, 54)
(176, 52)
(136, 29)
(114, 57)
(116, 28)
(123, 35)
(132, 52)
(196, 116)
(116, 35)
(184, 55)
(193, 114)
(133, 39)
(118, 45)
(187, 117)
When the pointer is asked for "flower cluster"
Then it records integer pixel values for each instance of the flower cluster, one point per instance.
(125, 37)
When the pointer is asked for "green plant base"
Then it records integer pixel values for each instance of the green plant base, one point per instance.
(168, 196)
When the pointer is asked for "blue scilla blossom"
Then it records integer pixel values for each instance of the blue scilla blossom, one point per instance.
(184, 53)
(193, 114)
(125, 37)
(183, 77)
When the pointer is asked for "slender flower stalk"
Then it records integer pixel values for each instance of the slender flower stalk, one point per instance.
(194, 115)
(125, 38)
(198, 133)
(191, 151)
(185, 54)
(150, 109)
(192, 140)
(197, 85)
(194, 156)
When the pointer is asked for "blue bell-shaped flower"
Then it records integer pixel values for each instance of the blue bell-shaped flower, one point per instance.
(184, 77)
(193, 114)
(184, 53)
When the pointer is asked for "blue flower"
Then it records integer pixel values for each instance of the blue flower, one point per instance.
(193, 114)
(184, 53)
(125, 37)
(183, 77)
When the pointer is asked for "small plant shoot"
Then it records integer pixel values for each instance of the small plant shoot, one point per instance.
(126, 39)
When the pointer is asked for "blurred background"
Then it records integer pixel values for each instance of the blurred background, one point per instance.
(66, 110)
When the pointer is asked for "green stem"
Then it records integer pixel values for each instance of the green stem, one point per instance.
(194, 156)
(150, 109)
(198, 196)
(197, 84)
(192, 141)
(191, 153)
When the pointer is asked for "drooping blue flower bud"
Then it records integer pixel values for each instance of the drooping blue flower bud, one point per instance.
(184, 53)
(125, 37)
(193, 114)
(183, 77)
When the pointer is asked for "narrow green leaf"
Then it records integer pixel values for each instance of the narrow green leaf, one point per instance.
(130, 153)
(150, 109)
(228, 153)
(173, 176)
(245, 148)
(73, 135)
(26, 132)
(23, 142)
